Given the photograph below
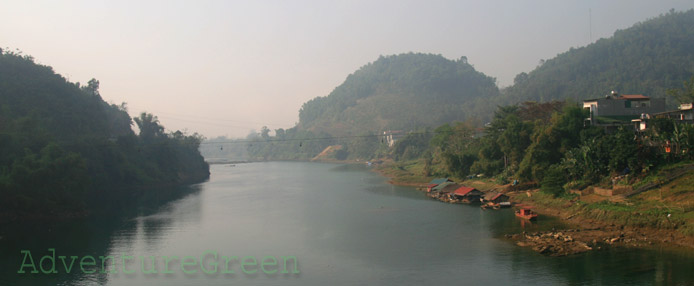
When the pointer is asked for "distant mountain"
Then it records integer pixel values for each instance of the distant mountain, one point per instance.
(648, 58)
(400, 92)
(412, 91)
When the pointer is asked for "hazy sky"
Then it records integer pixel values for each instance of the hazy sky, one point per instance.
(226, 67)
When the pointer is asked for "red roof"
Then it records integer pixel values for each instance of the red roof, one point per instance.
(463, 191)
(497, 196)
(633, 96)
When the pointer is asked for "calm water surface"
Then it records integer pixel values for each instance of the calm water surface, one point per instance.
(344, 224)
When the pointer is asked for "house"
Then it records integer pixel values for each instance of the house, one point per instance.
(466, 194)
(436, 182)
(449, 188)
(392, 136)
(442, 190)
(495, 197)
(440, 186)
(684, 114)
(440, 180)
(616, 110)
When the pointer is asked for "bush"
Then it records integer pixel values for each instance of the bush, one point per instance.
(553, 181)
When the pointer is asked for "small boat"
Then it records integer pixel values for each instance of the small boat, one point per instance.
(526, 213)
(505, 204)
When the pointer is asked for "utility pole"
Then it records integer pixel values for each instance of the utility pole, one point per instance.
(590, 25)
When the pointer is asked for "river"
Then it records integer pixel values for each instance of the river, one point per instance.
(321, 224)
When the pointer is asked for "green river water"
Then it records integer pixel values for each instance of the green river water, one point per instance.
(322, 224)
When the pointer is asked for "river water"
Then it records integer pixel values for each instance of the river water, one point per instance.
(295, 223)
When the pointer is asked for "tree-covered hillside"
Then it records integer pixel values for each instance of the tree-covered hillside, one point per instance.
(418, 91)
(400, 92)
(649, 58)
(64, 151)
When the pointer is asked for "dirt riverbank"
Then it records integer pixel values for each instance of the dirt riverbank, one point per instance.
(581, 232)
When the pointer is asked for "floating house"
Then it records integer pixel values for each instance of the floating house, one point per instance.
(436, 182)
(466, 194)
(494, 197)
(449, 188)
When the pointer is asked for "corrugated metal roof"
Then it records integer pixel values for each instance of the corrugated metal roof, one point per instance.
(438, 181)
(491, 196)
(441, 186)
(450, 188)
(497, 196)
(463, 190)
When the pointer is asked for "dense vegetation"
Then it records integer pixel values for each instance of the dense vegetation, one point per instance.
(413, 92)
(400, 92)
(405, 91)
(648, 58)
(65, 152)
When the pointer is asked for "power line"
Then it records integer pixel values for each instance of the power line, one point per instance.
(180, 116)
(140, 144)
(239, 141)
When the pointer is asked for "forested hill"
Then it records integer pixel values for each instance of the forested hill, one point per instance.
(400, 92)
(64, 151)
(649, 58)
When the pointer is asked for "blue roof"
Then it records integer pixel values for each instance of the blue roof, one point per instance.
(439, 181)
(440, 187)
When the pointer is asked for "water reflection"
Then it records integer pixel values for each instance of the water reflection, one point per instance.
(95, 237)
(345, 225)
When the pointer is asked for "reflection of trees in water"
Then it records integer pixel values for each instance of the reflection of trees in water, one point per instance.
(95, 236)
(613, 266)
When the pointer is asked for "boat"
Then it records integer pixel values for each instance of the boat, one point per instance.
(526, 213)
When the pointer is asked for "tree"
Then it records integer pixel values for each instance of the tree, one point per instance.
(280, 134)
(686, 94)
(514, 140)
(92, 87)
(149, 126)
(265, 132)
(553, 181)
(520, 78)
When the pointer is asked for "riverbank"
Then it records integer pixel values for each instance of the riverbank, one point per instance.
(658, 217)
(590, 228)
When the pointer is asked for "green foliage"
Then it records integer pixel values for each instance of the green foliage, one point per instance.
(411, 91)
(551, 141)
(648, 58)
(553, 181)
(341, 154)
(456, 148)
(400, 92)
(686, 94)
(412, 146)
(294, 144)
(65, 152)
(149, 126)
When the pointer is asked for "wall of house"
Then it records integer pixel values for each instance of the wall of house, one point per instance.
(625, 107)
